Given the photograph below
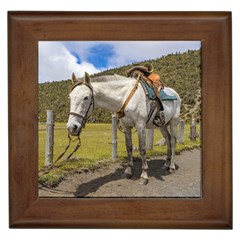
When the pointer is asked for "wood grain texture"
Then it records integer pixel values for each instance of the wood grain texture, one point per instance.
(213, 210)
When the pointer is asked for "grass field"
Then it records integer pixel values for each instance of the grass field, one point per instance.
(95, 149)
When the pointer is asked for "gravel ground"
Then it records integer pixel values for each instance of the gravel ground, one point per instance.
(108, 182)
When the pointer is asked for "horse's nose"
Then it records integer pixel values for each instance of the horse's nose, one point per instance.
(73, 129)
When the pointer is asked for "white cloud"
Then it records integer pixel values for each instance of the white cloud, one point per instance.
(57, 63)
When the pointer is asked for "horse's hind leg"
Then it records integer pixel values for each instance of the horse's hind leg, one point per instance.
(173, 131)
(129, 147)
(167, 137)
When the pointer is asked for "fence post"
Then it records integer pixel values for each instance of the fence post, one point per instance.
(181, 132)
(193, 131)
(149, 140)
(49, 138)
(114, 136)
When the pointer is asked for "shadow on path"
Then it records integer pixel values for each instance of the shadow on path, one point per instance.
(155, 170)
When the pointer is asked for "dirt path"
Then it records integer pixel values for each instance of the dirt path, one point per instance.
(108, 181)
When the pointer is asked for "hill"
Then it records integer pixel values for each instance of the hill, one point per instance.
(180, 71)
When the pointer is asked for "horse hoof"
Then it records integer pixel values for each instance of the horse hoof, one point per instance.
(126, 175)
(171, 170)
(143, 181)
(165, 167)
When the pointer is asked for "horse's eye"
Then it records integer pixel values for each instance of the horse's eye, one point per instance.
(86, 98)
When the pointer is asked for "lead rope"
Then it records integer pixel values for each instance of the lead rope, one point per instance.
(50, 167)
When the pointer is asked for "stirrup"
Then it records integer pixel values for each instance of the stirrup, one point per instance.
(159, 120)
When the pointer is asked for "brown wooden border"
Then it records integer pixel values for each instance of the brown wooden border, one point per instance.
(214, 210)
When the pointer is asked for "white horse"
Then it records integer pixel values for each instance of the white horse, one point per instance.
(110, 93)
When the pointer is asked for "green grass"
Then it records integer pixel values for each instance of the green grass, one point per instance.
(95, 149)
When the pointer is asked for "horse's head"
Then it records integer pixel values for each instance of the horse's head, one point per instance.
(81, 104)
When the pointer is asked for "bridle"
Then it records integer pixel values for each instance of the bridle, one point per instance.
(86, 116)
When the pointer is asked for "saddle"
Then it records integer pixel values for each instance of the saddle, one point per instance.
(152, 80)
(148, 77)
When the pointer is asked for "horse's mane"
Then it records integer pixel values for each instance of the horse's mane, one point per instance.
(102, 79)
(106, 78)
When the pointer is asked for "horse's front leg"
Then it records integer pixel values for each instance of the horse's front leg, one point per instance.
(129, 147)
(142, 150)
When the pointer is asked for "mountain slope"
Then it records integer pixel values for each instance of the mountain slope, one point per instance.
(180, 71)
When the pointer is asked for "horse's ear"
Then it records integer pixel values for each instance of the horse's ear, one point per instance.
(74, 79)
(87, 79)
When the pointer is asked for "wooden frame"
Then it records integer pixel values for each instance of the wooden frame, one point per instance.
(213, 210)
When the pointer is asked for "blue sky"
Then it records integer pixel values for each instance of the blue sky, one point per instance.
(58, 60)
